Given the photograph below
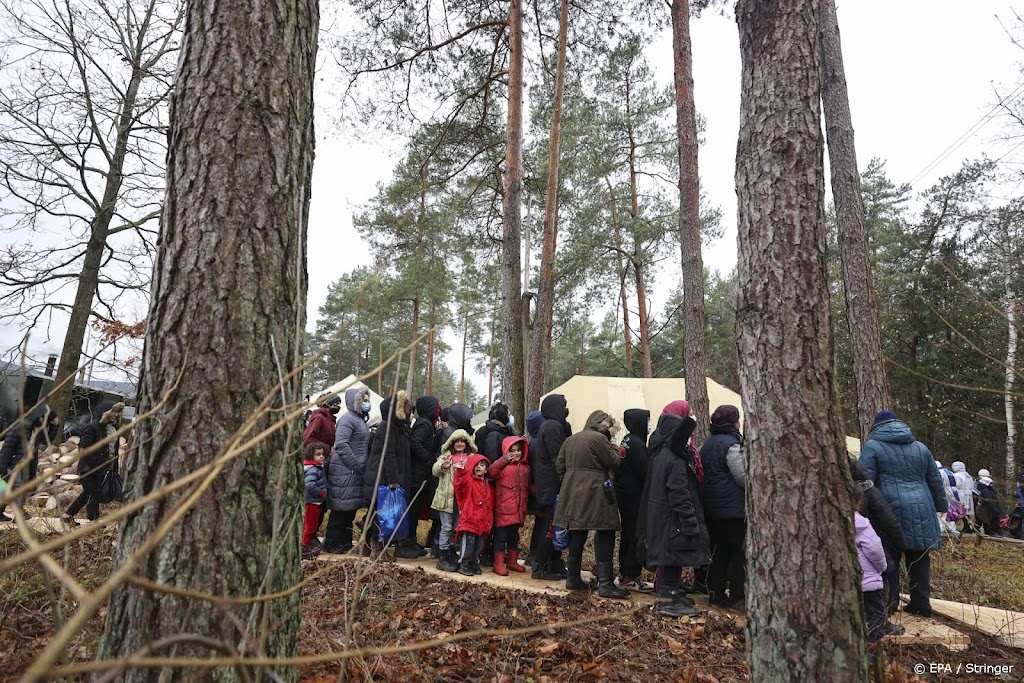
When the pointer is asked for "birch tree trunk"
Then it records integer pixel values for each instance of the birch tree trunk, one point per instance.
(1011, 371)
(695, 359)
(540, 354)
(803, 617)
(225, 323)
(870, 377)
(512, 381)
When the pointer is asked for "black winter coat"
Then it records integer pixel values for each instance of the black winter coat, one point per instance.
(397, 454)
(677, 535)
(459, 417)
(632, 472)
(423, 440)
(495, 434)
(96, 463)
(667, 424)
(552, 434)
(31, 432)
(722, 495)
(877, 510)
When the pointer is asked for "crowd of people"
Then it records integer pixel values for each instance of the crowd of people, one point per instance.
(666, 505)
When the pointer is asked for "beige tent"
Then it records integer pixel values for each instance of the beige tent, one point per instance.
(339, 388)
(585, 394)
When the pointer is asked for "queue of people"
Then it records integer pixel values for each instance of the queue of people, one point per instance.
(665, 504)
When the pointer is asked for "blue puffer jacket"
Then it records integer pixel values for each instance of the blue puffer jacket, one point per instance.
(348, 458)
(315, 482)
(904, 471)
(722, 494)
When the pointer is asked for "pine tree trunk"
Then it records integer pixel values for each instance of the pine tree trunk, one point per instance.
(1011, 372)
(803, 617)
(871, 379)
(462, 372)
(236, 210)
(695, 359)
(540, 352)
(627, 331)
(512, 380)
(641, 301)
(429, 391)
(412, 351)
(380, 363)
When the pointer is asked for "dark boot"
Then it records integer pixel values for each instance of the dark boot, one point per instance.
(575, 582)
(672, 602)
(466, 569)
(542, 572)
(447, 561)
(606, 587)
(556, 566)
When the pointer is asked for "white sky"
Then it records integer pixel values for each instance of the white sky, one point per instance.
(920, 75)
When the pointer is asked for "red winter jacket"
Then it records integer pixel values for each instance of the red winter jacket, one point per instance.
(475, 497)
(513, 484)
(320, 427)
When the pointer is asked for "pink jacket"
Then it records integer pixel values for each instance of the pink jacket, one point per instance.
(870, 553)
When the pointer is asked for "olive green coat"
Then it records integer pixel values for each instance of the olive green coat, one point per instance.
(584, 462)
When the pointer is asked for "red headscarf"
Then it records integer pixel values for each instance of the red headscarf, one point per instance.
(681, 408)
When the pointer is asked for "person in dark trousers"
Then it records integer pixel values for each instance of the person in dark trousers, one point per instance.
(554, 430)
(93, 465)
(629, 489)
(425, 445)
(676, 534)
(320, 427)
(586, 501)
(21, 447)
(391, 453)
(872, 564)
(724, 508)
(346, 468)
(989, 510)
(904, 470)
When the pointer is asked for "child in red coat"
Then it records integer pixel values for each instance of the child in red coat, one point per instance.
(475, 498)
(511, 473)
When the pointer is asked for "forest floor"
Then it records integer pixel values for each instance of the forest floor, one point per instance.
(625, 641)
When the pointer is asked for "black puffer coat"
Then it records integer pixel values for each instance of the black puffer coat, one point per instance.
(396, 454)
(723, 496)
(423, 440)
(632, 472)
(495, 435)
(97, 462)
(677, 535)
(459, 417)
(30, 433)
(552, 434)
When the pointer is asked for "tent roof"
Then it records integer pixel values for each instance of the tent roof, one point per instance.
(339, 388)
(585, 394)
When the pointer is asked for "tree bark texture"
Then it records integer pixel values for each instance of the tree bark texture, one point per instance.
(870, 377)
(540, 353)
(1010, 377)
(227, 313)
(637, 258)
(803, 618)
(695, 358)
(512, 380)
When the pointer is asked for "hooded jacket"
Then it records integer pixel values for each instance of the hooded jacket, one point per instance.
(495, 434)
(904, 470)
(724, 479)
(964, 486)
(423, 439)
(870, 553)
(585, 462)
(320, 427)
(676, 533)
(553, 432)
(512, 484)
(878, 511)
(97, 462)
(395, 454)
(459, 417)
(633, 457)
(475, 497)
(315, 480)
(444, 496)
(29, 434)
(347, 465)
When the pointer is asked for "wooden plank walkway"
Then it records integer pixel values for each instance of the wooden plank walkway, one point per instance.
(1006, 626)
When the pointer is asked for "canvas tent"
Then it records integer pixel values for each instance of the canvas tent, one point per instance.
(585, 394)
(339, 388)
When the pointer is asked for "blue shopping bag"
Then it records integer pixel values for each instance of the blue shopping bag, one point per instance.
(392, 517)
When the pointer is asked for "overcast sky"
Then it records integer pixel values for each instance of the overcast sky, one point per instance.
(920, 76)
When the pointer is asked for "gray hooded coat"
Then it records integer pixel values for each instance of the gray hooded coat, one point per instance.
(345, 471)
